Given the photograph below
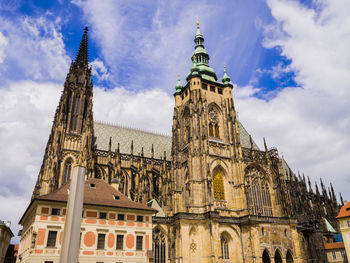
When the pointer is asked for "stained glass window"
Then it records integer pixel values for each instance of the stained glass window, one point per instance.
(258, 193)
(218, 183)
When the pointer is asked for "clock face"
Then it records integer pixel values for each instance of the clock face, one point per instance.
(213, 116)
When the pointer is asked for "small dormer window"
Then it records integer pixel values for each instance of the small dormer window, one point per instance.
(92, 186)
(220, 90)
(116, 197)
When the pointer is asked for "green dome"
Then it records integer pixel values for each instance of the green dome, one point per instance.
(225, 79)
(178, 86)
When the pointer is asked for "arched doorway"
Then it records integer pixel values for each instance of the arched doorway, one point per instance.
(278, 258)
(266, 257)
(289, 257)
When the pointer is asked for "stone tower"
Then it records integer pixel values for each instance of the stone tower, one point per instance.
(206, 148)
(72, 129)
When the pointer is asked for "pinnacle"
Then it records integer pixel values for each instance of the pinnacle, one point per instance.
(82, 56)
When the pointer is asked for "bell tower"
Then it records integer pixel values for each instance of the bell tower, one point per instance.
(206, 147)
(72, 129)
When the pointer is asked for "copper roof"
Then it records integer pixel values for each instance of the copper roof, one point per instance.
(344, 211)
(96, 192)
(335, 245)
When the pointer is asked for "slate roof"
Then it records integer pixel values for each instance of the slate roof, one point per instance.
(145, 139)
(344, 211)
(102, 195)
(124, 136)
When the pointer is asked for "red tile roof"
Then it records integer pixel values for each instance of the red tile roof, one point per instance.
(335, 245)
(102, 194)
(344, 211)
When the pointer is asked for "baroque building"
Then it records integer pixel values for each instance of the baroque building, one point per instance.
(219, 197)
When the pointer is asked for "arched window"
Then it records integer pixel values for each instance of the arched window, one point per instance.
(214, 124)
(75, 113)
(258, 193)
(266, 257)
(224, 248)
(156, 186)
(218, 184)
(159, 246)
(278, 258)
(211, 130)
(67, 171)
(186, 126)
(133, 185)
(98, 173)
(289, 257)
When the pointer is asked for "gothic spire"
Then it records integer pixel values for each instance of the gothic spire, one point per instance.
(82, 56)
(200, 58)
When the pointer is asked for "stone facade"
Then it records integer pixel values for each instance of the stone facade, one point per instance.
(222, 198)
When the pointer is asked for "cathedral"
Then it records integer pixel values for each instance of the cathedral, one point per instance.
(219, 197)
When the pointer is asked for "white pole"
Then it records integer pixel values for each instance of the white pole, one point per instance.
(71, 233)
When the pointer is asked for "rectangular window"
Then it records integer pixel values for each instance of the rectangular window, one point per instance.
(55, 211)
(212, 88)
(121, 217)
(101, 241)
(182, 96)
(220, 90)
(139, 219)
(342, 252)
(51, 239)
(348, 223)
(186, 93)
(103, 215)
(139, 241)
(334, 255)
(205, 86)
(120, 241)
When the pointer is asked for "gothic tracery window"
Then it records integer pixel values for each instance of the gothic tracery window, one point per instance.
(214, 124)
(75, 114)
(218, 184)
(67, 171)
(258, 193)
(159, 246)
(224, 248)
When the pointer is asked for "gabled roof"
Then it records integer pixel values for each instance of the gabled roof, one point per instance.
(161, 143)
(330, 228)
(101, 194)
(154, 204)
(344, 211)
(336, 245)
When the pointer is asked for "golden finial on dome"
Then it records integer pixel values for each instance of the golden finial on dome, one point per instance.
(178, 75)
(197, 21)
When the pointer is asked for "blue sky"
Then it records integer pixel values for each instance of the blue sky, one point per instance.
(288, 60)
(240, 32)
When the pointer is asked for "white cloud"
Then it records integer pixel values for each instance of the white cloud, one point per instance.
(310, 125)
(3, 44)
(99, 70)
(27, 109)
(149, 109)
(35, 49)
